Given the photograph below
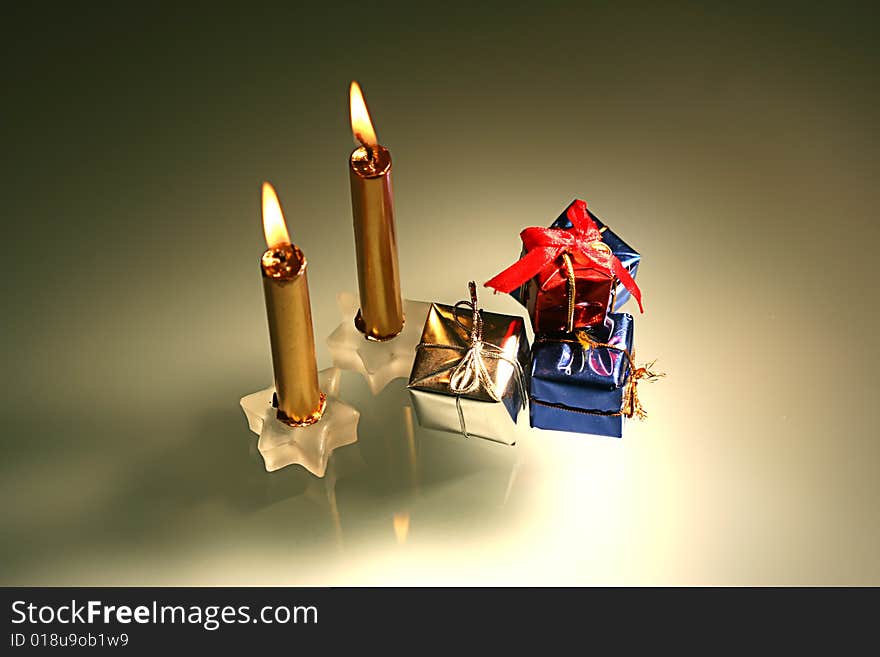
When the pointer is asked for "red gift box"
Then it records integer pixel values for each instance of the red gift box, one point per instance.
(568, 295)
(569, 275)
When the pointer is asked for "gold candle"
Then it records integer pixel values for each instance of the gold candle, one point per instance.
(286, 287)
(372, 203)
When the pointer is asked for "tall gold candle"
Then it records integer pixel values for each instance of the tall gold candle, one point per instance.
(286, 287)
(372, 202)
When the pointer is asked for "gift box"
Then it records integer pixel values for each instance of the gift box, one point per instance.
(585, 383)
(469, 374)
(552, 305)
(567, 274)
(628, 256)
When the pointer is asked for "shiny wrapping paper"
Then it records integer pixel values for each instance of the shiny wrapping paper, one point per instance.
(573, 388)
(588, 293)
(546, 296)
(627, 255)
(445, 340)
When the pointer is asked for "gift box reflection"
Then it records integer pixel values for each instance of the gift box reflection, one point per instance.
(580, 388)
(413, 480)
(469, 372)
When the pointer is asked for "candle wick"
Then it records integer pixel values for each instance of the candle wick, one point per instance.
(372, 157)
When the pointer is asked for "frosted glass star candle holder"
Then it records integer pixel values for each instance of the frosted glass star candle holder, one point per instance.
(311, 447)
(378, 362)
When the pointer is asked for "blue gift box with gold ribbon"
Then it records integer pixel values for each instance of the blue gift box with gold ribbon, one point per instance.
(585, 382)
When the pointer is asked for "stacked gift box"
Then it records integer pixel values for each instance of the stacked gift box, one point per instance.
(572, 278)
(473, 370)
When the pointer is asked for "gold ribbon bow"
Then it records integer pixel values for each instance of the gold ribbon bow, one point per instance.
(631, 405)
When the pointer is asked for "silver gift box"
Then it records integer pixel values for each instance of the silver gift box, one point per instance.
(446, 341)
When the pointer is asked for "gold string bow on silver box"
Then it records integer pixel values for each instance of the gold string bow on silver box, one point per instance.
(469, 371)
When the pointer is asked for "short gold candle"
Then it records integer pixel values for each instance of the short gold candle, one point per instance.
(286, 288)
(372, 202)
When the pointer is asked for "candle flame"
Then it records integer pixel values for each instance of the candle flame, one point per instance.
(361, 126)
(274, 227)
(401, 527)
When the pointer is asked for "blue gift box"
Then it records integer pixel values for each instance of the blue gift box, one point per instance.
(573, 388)
(627, 255)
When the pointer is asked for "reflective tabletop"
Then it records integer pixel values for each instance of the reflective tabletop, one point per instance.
(734, 148)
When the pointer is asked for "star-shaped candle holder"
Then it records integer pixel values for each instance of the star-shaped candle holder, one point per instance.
(378, 362)
(281, 445)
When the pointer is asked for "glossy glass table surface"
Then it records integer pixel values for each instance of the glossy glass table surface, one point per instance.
(734, 147)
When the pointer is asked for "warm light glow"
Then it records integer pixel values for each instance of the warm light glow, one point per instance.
(361, 126)
(274, 227)
(401, 527)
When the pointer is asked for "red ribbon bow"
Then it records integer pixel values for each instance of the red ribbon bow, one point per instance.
(544, 245)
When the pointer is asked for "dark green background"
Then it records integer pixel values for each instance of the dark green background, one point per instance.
(734, 144)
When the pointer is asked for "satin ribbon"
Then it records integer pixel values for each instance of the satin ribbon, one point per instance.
(544, 245)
